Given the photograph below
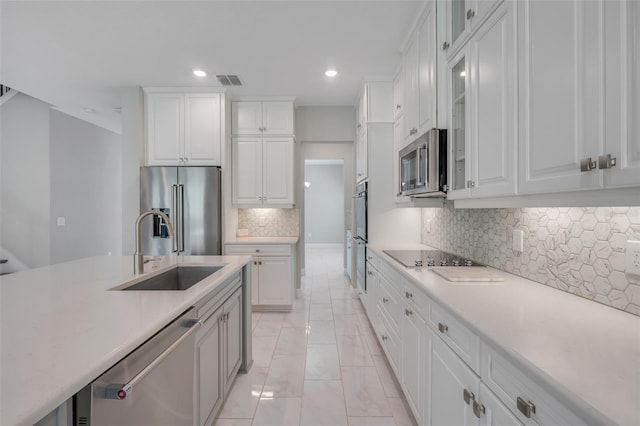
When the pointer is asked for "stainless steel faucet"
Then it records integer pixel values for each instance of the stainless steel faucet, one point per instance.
(138, 257)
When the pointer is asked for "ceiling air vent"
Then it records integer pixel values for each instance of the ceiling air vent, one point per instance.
(229, 80)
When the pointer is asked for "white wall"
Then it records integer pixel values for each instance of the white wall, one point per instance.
(24, 182)
(324, 204)
(85, 189)
(325, 124)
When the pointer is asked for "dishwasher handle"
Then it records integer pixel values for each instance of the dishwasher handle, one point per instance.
(120, 391)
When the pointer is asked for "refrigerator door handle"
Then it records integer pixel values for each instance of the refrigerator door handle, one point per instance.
(180, 232)
(174, 217)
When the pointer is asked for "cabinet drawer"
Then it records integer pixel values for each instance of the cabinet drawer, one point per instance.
(389, 341)
(259, 249)
(389, 303)
(518, 391)
(415, 298)
(393, 277)
(463, 342)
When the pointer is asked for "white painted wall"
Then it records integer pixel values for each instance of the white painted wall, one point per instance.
(325, 123)
(85, 189)
(324, 204)
(132, 156)
(24, 183)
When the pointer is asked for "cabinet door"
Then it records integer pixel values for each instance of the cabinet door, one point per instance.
(246, 118)
(277, 171)
(459, 140)
(275, 281)
(165, 132)
(560, 94)
(398, 142)
(277, 118)
(361, 154)
(255, 282)
(232, 337)
(247, 170)
(495, 412)
(208, 371)
(427, 72)
(622, 71)
(447, 380)
(493, 105)
(202, 129)
(411, 87)
(413, 360)
(398, 94)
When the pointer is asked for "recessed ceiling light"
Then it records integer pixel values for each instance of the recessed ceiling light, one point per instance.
(199, 73)
(331, 73)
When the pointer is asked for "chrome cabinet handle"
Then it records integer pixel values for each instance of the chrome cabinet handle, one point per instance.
(398, 106)
(468, 396)
(606, 162)
(408, 312)
(445, 45)
(470, 13)
(525, 407)
(443, 328)
(120, 392)
(385, 300)
(478, 409)
(384, 337)
(408, 295)
(587, 164)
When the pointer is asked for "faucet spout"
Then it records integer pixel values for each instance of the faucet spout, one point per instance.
(138, 257)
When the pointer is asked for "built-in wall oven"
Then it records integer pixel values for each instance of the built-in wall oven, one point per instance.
(360, 237)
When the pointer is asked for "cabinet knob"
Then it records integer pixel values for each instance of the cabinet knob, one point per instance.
(525, 407)
(398, 106)
(443, 328)
(408, 312)
(186, 159)
(445, 45)
(606, 162)
(359, 125)
(470, 13)
(260, 262)
(257, 250)
(384, 337)
(385, 300)
(587, 164)
(370, 272)
(408, 295)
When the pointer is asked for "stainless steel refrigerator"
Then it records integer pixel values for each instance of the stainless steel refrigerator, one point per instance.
(190, 196)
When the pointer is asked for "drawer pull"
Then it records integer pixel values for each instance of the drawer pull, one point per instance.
(443, 328)
(408, 295)
(408, 312)
(478, 409)
(384, 337)
(525, 407)
(257, 250)
(468, 396)
(385, 300)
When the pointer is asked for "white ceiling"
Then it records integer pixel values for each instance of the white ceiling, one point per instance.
(78, 54)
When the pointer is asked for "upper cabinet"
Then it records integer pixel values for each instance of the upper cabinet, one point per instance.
(482, 133)
(183, 128)
(579, 95)
(462, 18)
(419, 78)
(262, 164)
(262, 118)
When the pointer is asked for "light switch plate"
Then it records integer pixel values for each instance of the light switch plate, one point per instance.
(518, 240)
(633, 257)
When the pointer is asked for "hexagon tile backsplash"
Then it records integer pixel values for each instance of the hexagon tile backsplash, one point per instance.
(580, 250)
(277, 222)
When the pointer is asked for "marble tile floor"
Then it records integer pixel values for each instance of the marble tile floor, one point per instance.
(319, 364)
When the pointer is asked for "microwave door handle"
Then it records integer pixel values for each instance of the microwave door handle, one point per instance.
(420, 163)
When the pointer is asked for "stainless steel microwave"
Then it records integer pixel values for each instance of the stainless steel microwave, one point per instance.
(423, 166)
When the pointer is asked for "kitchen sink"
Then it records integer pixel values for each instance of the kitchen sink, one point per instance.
(176, 279)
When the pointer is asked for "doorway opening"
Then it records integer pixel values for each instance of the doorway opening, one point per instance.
(324, 206)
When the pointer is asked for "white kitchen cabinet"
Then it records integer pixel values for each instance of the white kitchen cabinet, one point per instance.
(411, 88)
(375, 106)
(262, 118)
(450, 386)
(427, 71)
(218, 356)
(398, 94)
(483, 120)
(461, 18)
(272, 273)
(262, 173)
(413, 356)
(183, 128)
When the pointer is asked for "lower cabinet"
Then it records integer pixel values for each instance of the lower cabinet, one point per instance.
(413, 355)
(218, 357)
(272, 274)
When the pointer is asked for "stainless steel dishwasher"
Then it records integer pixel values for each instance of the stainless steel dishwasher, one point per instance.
(153, 385)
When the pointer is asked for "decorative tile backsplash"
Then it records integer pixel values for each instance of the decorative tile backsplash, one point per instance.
(277, 222)
(580, 250)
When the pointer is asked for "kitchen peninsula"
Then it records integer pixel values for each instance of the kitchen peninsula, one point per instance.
(64, 325)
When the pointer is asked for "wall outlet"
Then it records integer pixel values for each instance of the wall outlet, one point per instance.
(428, 227)
(633, 257)
(518, 240)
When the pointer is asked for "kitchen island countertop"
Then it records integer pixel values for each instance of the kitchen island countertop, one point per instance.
(62, 327)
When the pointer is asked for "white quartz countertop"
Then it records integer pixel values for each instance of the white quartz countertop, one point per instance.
(62, 327)
(585, 354)
(262, 240)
